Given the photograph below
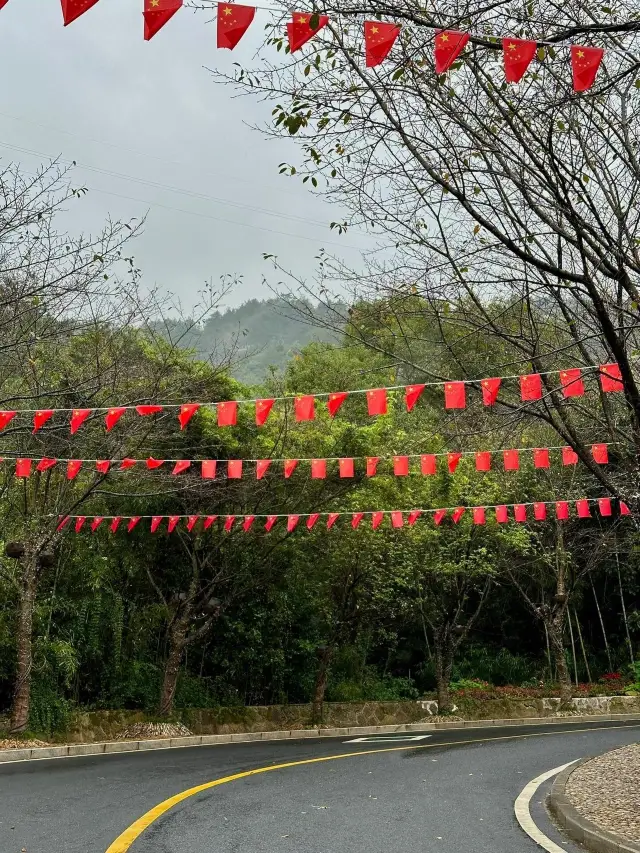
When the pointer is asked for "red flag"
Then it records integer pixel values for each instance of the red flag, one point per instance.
(103, 466)
(191, 522)
(455, 395)
(517, 55)
(157, 13)
(530, 387)
(40, 418)
(479, 515)
(292, 523)
(356, 518)
(511, 460)
(208, 469)
(378, 40)
(23, 467)
(248, 521)
(78, 417)
(96, 522)
(290, 466)
(187, 411)
(234, 469)
(377, 401)
(439, 515)
(449, 45)
(180, 466)
(571, 381)
(604, 505)
(539, 511)
(62, 522)
(155, 522)
(127, 463)
(412, 393)
(483, 460)
(414, 515)
(562, 510)
(7, 417)
(457, 514)
(45, 464)
(502, 514)
(208, 521)
(428, 464)
(173, 523)
(624, 509)
(80, 520)
(332, 518)
(585, 62)
(520, 512)
(72, 9)
(73, 468)
(145, 411)
(271, 520)
(133, 522)
(372, 465)
(115, 524)
(490, 388)
(582, 506)
(263, 408)
(335, 401)
(346, 468)
(113, 416)
(262, 466)
(600, 453)
(610, 378)
(305, 408)
(569, 456)
(300, 31)
(228, 523)
(401, 466)
(376, 519)
(311, 521)
(227, 413)
(541, 457)
(452, 461)
(318, 469)
(397, 519)
(233, 22)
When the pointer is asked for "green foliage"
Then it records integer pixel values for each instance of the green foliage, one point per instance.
(49, 713)
(496, 666)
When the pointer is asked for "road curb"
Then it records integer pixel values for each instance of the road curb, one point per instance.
(114, 747)
(577, 827)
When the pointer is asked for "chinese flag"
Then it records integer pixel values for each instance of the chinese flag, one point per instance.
(173, 523)
(181, 465)
(600, 453)
(248, 521)
(263, 408)
(78, 417)
(331, 519)
(412, 395)
(520, 510)
(530, 387)
(372, 465)
(511, 460)
(234, 469)
(63, 520)
(377, 401)
(97, 521)
(7, 417)
(103, 466)
(305, 408)
(539, 511)
(401, 466)
(292, 523)
(133, 522)
(396, 519)
(479, 515)
(604, 505)
(233, 22)
(502, 514)
(23, 467)
(517, 55)
(569, 456)
(208, 521)
(562, 510)
(376, 519)
(452, 461)
(490, 388)
(610, 377)
(414, 515)
(356, 518)
(228, 522)
(455, 395)
(290, 466)
(262, 466)
(335, 401)
(448, 47)
(299, 31)
(127, 463)
(156, 522)
(115, 524)
(582, 506)
(191, 522)
(227, 413)
(438, 516)
(40, 418)
(209, 467)
(457, 514)
(145, 411)
(378, 41)
(624, 509)
(113, 416)
(73, 468)
(80, 520)
(187, 411)
(541, 457)
(585, 62)
(45, 464)
(311, 521)
(157, 13)
(571, 381)
(483, 460)
(319, 469)
(428, 464)
(346, 467)
(72, 9)
(271, 520)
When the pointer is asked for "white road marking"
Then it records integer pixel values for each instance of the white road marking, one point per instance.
(523, 814)
(385, 739)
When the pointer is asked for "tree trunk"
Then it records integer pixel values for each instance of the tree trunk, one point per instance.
(444, 667)
(555, 629)
(24, 639)
(320, 686)
(177, 644)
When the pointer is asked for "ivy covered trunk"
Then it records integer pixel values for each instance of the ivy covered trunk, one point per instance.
(24, 640)
(320, 686)
(555, 629)
(444, 653)
(177, 644)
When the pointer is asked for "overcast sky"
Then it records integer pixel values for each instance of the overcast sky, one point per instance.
(97, 93)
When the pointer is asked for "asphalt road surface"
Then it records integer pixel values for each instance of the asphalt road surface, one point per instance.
(450, 792)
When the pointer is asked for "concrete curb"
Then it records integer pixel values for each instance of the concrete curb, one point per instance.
(113, 747)
(577, 827)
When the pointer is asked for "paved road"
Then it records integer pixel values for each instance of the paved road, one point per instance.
(450, 793)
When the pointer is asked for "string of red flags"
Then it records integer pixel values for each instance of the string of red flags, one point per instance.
(318, 469)
(571, 384)
(502, 514)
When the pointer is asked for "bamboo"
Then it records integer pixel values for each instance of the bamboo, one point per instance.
(584, 654)
(604, 633)
(624, 609)
(573, 647)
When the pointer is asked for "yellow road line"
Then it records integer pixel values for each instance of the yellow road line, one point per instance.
(123, 842)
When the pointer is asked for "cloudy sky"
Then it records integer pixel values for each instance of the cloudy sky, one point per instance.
(152, 134)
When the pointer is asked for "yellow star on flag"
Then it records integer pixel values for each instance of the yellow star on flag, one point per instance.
(444, 37)
(227, 11)
(581, 54)
(512, 47)
(374, 29)
(302, 20)
(155, 3)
